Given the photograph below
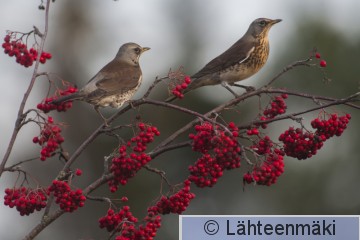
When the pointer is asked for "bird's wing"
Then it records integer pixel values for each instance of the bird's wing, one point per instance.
(237, 53)
(118, 77)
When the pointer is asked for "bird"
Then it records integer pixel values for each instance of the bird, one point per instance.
(242, 60)
(115, 83)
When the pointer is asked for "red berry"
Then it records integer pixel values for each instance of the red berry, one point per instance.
(317, 55)
(7, 38)
(322, 63)
(184, 85)
(78, 172)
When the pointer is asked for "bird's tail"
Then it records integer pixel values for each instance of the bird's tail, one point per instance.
(71, 97)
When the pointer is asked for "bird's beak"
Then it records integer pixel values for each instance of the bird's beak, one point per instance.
(144, 49)
(275, 21)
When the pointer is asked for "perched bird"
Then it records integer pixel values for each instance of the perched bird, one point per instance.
(242, 60)
(115, 83)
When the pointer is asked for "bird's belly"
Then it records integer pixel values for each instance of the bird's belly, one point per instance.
(115, 101)
(237, 73)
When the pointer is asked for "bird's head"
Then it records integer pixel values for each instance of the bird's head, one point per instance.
(130, 52)
(261, 26)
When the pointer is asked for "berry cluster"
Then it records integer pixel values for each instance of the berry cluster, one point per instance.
(152, 224)
(18, 49)
(124, 222)
(322, 62)
(147, 231)
(269, 171)
(50, 139)
(179, 88)
(68, 200)
(25, 200)
(47, 105)
(126, 165)
(176, 203)
(112, 220)
(220, 151)
(206, 171)
(334, 126)
(263, 146)
(253, 131)
(302, 144)
(277, 107)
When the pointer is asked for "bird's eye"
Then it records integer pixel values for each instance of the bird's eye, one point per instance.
(262, 23)
(137, 50)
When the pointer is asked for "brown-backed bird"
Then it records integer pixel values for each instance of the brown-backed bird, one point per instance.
(115, 83)
(242, 60)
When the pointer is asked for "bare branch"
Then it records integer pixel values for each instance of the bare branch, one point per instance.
(154, 154)
(288, 68)
(157, 80)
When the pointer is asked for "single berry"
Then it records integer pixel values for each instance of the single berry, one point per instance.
(322, 63)
(78, 172)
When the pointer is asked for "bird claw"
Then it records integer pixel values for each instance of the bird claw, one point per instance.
(247, 88)
(106, 124)
(226, 85)
(130, 102)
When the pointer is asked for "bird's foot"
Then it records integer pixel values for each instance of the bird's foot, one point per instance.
(106, 124)
(226, 85)
(247, 88)
(130, 102)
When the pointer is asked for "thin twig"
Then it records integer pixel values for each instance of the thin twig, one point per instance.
(157, 80)
(159, 172)
(292, 115)
(19, 163)
(288, 68)
(100, 199)
(20, 115)
(185, 110)
(154, 154)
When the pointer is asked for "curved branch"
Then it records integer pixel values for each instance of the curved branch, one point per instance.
(288, 68)
(154, 154)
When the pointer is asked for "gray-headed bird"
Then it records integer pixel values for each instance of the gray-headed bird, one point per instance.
(115, 83)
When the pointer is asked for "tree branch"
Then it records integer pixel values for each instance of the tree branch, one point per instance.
(20, 115)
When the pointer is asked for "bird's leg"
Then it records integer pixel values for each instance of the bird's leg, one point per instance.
(130, 102)
(102, 116)
(226, 85)
(247, 88)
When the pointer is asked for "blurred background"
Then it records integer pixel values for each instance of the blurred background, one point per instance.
(85, 34)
